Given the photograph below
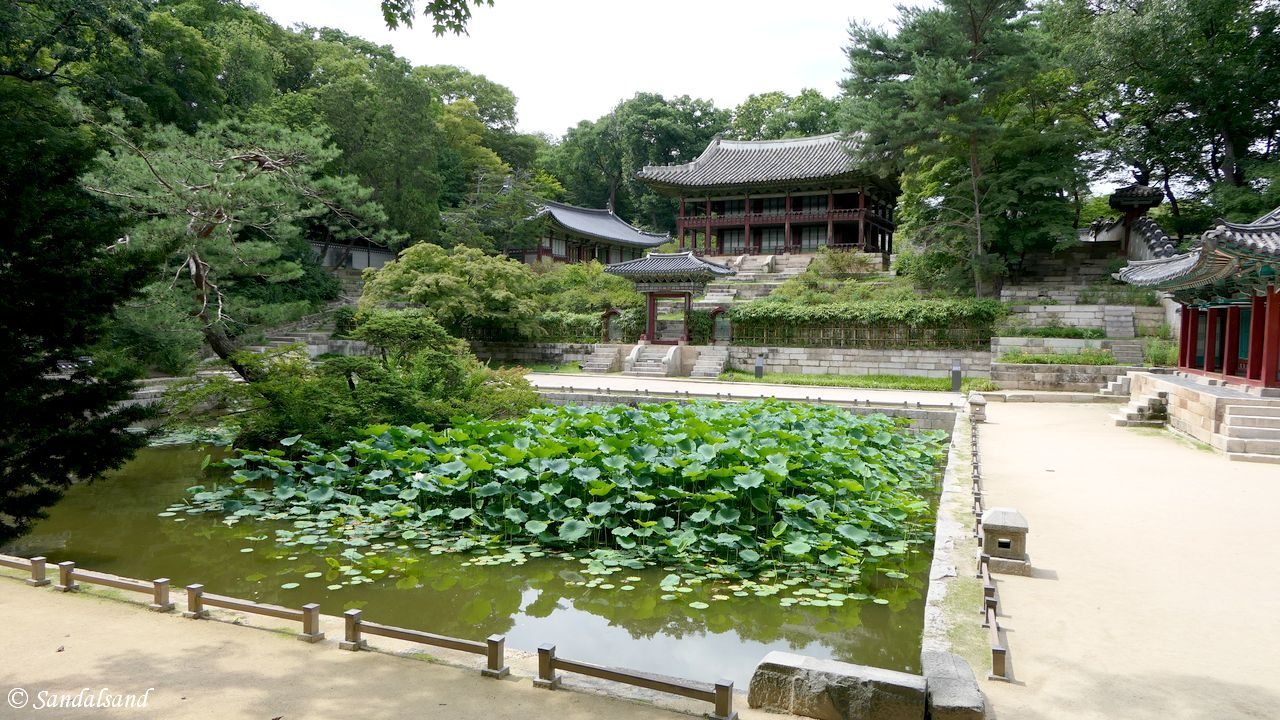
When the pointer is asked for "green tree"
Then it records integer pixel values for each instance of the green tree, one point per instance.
(960, 102)
(447, 16)
(229, 206)
(775, 115)
(465, 290)
(63, 269)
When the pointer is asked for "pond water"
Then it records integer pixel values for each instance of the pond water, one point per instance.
(113, 526)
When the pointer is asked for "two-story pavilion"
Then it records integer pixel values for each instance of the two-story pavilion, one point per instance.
(576, 234)
(777, 196)
(1229, 291)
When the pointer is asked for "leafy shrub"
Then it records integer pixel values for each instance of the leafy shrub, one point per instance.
(1117, 294)
(1055, 331)
(344, 321)
(561, 326)
(1159, 352)
(878, 323)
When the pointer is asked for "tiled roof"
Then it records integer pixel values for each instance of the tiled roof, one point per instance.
(1158, 242)
(1271, 217)
(1254, 238)
(669, 265)
(1131, 196)
(1226, 250)
(754, 162)
(600, 224)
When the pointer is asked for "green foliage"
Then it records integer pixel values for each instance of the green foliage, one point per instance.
(1086, 356)
(775, 115)
(1108, 293)
(985, 132)
(155, 332)
(1055, 331)
(62, 271)
(420, 375)
(881, 382)
(1159, 352)
(344, 321)
(446, 16)
(733, 488)
(582, 288)
(467, 291)
(875, 323)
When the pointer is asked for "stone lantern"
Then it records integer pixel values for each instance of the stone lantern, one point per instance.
(1004, 541)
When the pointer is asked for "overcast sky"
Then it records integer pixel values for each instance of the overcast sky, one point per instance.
(572, 60)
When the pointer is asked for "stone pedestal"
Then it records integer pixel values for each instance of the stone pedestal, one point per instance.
(832, 690)
(1004, 541)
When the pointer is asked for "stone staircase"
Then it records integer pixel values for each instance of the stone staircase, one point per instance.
(605, 359)
(649, 361)
(670, 330)
(1150, 411)
(1117, 388)
(711, 361)
(719, 295)
(1251, 433)
(1128, 354)
(1120, 322)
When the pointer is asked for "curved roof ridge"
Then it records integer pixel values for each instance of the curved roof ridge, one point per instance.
(600, 224)
(802, 140)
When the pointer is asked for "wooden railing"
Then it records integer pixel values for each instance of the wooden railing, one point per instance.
(719, 694)
(990, 601)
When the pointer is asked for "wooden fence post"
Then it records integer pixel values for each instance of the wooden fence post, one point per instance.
(496, 665)
(66, 577)
(724, 701)
(547, 677)
(38, 578)
(311, 623)
(352, 640)
(160, 601)
(195, 603)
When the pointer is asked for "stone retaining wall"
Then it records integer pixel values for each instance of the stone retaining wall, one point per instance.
(1044, 346)
(1077, 378)
(852, 361)
(1149, 320)
(530, 353)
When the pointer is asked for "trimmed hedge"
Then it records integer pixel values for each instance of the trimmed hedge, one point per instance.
(871, 324)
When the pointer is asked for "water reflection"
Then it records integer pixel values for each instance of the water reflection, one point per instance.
(114, 526)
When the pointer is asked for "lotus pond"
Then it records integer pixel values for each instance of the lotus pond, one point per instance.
(703, 536)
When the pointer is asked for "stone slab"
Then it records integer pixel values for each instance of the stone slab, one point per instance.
(832, 690)
(1009, 566)
(954, 693)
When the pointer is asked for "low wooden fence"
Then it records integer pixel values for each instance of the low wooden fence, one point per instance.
(719, 694)
(990, 601)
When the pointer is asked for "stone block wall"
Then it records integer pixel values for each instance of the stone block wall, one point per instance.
(529, 353)
(1044, 346)
(1066, 378)
(1148, 320)
(854, 361)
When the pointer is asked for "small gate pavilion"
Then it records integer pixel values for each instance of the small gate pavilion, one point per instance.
(669, 275)
(1227, 288)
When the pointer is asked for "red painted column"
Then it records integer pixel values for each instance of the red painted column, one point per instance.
(1231, 345)
(680, 223)
(1271, 339)
(1211, 340)
(1193, 332)
(1257, 331)
(746, 221)
(1184, 338)
(786, 224)
(688, 309)
(707, 240)
(862, 218)
(652, 331)
(831, 207)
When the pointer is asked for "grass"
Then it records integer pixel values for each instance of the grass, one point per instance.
(1055, 331)
(546, 367)
(1088, 356)
(879, 382)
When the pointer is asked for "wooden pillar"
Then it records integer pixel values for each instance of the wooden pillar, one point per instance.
(1185, 330)
(1231, 344)
(1271, 339)
(831, 208)
(680, 224)
(1211, 341)
(862, 218)
(1193, 327)
(746, 222)
(651, 332)
(707, 239)
(688, 308)
(786, 223)
(1257, 332)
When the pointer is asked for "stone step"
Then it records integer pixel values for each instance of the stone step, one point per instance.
(1256, 421)
(1250, 433)
(1264, 447)
(1253, 411)
(1253, 457)
(1125, 422)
